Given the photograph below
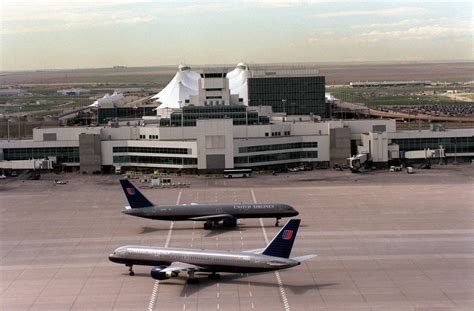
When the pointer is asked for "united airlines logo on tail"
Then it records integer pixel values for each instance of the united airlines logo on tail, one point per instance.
(287, 234)
(130, 191)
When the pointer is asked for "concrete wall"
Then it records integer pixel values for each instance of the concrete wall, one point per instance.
(15, 128)
(432, 134)
(340, 145)
(309, 128)
(323, 145)
(107, 148)
(365, 126)
(65, 133)
(215, 137)
(376, 144)
(90, 153)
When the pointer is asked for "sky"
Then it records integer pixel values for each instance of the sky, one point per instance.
(68, 34)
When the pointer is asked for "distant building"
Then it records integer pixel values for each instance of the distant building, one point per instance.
(10, 92)
(292, 91)
(73, 92)
(389, 83)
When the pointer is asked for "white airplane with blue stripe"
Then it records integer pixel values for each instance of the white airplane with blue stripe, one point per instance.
(170, 262)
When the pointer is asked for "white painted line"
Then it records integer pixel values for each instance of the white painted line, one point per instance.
(284, 299)
(157, 283)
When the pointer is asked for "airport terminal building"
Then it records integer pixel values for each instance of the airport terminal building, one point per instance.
(217, 144)
(217, 120)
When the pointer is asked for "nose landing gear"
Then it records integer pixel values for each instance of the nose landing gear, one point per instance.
(130, 270)
(277, 222)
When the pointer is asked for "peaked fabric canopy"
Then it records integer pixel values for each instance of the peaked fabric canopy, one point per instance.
(107, 99)
(185, 83)
(238, 81)
(181, 87)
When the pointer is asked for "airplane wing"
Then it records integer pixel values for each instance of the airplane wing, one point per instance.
(215, 217)
(180, 266)
(303, 258)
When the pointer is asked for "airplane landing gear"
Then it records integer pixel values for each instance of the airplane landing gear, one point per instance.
(277, 222)
(208, 225)
(214, 276)
(191, 278)
(130, 270)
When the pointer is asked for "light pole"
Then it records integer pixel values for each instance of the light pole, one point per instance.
(283, 101)
(455, 150)
(8, 129)
(19, 122)
(182, 119)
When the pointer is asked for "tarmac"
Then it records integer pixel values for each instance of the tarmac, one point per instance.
(385, 241)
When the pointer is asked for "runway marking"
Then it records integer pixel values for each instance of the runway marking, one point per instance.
(284, 299)
(157, 283)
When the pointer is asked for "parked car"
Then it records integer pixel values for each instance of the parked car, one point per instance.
(395, 168)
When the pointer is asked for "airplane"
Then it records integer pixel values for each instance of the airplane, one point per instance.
(211, 214)
(169, 262)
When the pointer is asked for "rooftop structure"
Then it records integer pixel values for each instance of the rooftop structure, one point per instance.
(179, 89)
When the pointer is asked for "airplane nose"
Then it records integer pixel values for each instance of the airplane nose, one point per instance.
(113, 258)
(294, 212)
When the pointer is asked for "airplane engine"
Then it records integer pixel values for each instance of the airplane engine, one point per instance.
(158, 275)
(229, 222)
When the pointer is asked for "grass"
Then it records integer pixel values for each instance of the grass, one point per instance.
(55, 103)
(129, 80)
(391, 96)
(410, 101)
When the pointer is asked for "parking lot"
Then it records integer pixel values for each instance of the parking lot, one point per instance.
(385, 241)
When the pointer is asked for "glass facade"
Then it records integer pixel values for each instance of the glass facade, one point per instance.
(152, 150)
(298, 155)
(313, 144)
(105, 115)
(238, 114)
(450, 144)
(63, 154)
(155, 160)
(293, 95)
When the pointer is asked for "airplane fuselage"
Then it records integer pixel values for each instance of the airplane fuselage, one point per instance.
(211, 261)
(191, 211)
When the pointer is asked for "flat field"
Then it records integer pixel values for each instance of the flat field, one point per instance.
(336, 73)
(386, 241)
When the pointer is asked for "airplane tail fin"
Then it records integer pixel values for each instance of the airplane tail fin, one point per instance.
(135, 198)
(282, 243)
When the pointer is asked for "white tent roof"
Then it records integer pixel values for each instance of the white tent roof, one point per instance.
(106, 99)
(238, 81)
(186, 83)
(181, 87)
